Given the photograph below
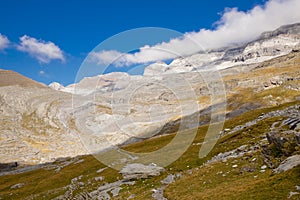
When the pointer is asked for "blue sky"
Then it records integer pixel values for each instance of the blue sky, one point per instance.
(77, 27)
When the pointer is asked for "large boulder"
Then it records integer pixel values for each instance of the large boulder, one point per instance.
(137, 171)
(286, 142)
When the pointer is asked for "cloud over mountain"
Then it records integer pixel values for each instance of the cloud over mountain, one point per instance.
(234, 26)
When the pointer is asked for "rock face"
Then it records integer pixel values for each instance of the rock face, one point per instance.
(285, 141)
(88, 85)
(137, 171)
(156, 68)
(286, 29)
(32, 129)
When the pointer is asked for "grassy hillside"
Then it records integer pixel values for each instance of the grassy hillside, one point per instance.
(240, 177)
(197, 181)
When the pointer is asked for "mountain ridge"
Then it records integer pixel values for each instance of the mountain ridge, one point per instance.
(121, 107)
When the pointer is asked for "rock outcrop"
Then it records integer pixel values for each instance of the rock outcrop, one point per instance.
(137, 171)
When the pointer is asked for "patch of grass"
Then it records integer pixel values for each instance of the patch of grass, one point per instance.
(38, 182)
(208, 184)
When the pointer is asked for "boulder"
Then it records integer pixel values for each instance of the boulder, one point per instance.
(137, 171)
(285, 141)
(288, 164)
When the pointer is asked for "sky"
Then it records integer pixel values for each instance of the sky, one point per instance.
(48, 40)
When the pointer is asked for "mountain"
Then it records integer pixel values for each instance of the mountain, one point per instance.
(56, 86)
(117, 108)
(32, 129)
(256, 155)
(174, 112)
(269, 45)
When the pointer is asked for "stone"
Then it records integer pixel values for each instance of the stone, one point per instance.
(247, 169)
(132, 196)
(288, 164)
(115, 191)
(18, 185)
(158, 194)
(292, 194)
(137, 171)
(104, 195)
(99, 178)
(285, 141)
(168, 180)
(101, 170)
(103, 191)
(264, 167)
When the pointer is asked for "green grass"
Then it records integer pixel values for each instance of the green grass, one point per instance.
(207, 184)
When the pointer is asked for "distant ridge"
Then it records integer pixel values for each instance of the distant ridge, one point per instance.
(285, 29)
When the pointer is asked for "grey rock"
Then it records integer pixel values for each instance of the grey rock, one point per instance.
(18, 185)
(103, 191)
(288, 164)
(132, 196)
(292, 194)
(158, 194)
(240, 151)
(101, 170)
(285, 141)
(115, 191)
(264, 167)
(99, 178)
(137, 170)
(168, 180)
(103, 196)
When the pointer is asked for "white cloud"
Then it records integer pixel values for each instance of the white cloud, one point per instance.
(41, 50)
(234, 26)
(4, 42)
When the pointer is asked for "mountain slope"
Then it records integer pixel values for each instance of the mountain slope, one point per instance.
(31, 127)
(11, 78)
(256, 155)
(41, 125)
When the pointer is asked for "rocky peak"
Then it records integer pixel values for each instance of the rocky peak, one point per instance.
(155, 68)
(286, 29)
(268, 46)
(56, 86)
